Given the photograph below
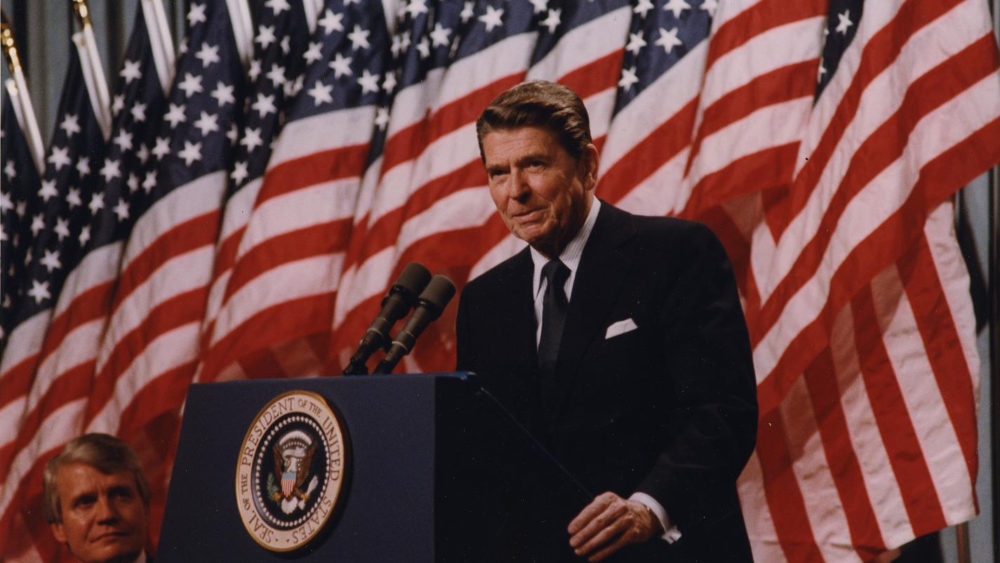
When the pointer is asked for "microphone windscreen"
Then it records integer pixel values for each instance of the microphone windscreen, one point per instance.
(438, 293)
(414, 278)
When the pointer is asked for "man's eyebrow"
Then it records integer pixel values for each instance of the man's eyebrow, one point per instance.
(120, 490)
(540, 155)
(82, 498)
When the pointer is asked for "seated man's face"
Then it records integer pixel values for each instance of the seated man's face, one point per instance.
(103, 516)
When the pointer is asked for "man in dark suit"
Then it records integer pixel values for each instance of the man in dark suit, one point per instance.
(618, 340)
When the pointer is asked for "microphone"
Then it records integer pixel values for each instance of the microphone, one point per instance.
(397, 302)
(429, 306)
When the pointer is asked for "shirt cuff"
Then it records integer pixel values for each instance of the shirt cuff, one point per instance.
(671, 533)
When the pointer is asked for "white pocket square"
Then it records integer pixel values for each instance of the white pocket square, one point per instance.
(619, 328)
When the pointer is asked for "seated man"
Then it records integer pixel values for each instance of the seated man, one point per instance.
(97, 500)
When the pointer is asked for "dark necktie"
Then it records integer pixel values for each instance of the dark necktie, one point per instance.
(554, 305)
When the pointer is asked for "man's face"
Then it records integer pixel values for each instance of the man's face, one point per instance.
(542, 193)
(103, 516)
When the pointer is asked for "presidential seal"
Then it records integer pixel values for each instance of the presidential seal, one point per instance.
(291, 470)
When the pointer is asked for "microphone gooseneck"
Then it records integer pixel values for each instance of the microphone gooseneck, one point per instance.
(430, 304)
(401, 297)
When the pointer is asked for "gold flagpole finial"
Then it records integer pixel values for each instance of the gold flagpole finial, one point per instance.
(82, 12)
(9, 48)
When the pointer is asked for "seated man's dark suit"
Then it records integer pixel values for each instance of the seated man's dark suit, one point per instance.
(669, 408)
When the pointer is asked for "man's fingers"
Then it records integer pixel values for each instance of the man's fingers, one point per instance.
(616, 531)
(620, 542)
(596, 507)
(595, 521)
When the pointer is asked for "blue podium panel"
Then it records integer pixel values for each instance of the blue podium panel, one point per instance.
(388, 506)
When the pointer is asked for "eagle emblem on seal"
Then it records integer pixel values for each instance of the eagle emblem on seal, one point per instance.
(293, 454)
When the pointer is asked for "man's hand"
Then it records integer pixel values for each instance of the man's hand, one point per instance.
(609, 523)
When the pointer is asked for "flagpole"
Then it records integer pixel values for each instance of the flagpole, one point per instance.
(160, 41)
(239, 15)
(93, 70)
(17, 87)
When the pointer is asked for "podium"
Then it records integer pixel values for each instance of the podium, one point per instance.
(436, 471)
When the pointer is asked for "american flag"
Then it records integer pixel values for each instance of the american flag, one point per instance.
(857, 301)
(281, 52)
(20, 179)
(21, 158)
(20, 161)
(150, 349)
(57, 214)
(821, 140)
(276, 316)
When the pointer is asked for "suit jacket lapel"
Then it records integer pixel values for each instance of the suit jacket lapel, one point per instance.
(603, 269)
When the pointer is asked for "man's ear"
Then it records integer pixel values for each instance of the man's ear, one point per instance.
(57, 531)
(592, 162)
